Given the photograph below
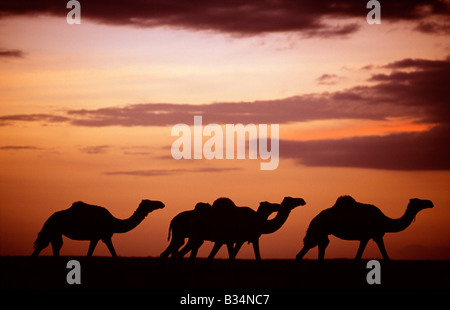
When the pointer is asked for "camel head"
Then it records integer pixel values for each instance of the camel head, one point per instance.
(146, 206)
(292, 203)
(266, 208)
(416, 205)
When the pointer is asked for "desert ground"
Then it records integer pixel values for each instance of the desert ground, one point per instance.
(148, 273)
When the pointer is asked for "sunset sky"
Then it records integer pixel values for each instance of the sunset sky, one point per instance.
(86, 113)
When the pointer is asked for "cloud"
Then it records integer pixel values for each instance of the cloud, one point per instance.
(432, 27)
(4, 53)
(420, 84)
(97, 149)
(244, 17)
(145, 173)
(162, 172)
(327, 79)
(18, 147)
(429, 150)
(45, 118)
(293, 109)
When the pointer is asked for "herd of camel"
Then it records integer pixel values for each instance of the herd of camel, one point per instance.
(225, 223)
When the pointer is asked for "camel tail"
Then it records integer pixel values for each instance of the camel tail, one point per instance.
(43, 237)
(170, 229)
(38, 239)
(40, 243)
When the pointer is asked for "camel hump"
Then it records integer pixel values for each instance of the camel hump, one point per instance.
(344, 201)
(79, 204)
(223, 204)
(202, 206)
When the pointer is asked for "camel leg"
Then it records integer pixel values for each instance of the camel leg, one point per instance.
(184, 250)
(166, 252)
(231, 253)
(379, 241)
(57, 243)
(110, 246)
(362, 246)
(237, 247)
(191, 245)
(92, 246)
(194, 250)
(36, 251)
(256, 250)
(302, 252)
(40, 245)
(215, 249)
(322, 246)
(308, 244)
(172, 249)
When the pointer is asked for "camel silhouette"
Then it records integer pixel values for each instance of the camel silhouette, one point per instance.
(225, 223)
(181, 226)
(269, 226)
(352, 220)
(88, 222)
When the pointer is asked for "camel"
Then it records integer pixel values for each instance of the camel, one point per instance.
(180, 226)
(228, 224)
(352, 220)
(88, 222)
(264, 211)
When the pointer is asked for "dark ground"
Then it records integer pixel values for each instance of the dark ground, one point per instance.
(152, 274)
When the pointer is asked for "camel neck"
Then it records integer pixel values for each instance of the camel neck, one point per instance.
(396, 225)
(122, 226)
(274, 224)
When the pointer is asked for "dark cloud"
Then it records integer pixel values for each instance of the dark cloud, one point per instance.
(420, 84)
(18, 147)
(327, 79)
(162, 172)
(431, 27)
(429, 150)
(241, 17)
(293, 109)
(367, 67)
(420, 64)
(5, 53)
(97, 149)
(45, 118)
(145, 173)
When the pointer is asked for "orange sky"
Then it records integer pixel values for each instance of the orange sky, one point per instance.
(58, 145)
